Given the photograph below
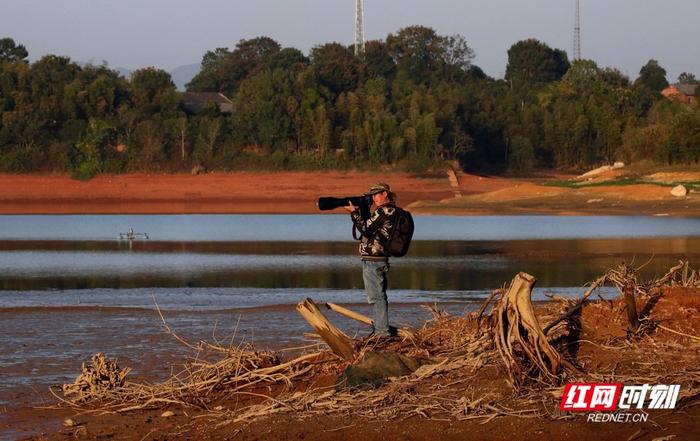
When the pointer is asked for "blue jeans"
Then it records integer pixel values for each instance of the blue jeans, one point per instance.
(374, 276)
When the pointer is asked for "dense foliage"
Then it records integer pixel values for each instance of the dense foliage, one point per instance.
(411, 101)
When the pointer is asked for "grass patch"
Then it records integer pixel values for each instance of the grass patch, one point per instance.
(695, 185)
(613, 183)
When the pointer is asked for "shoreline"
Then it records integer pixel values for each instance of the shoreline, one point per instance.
(296, 193)
(22, 419)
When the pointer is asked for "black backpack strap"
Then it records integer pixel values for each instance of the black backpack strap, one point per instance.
(395, 217)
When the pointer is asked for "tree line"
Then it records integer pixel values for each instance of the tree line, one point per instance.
(410, 101)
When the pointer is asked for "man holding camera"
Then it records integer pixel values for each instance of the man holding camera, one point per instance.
(375, 232)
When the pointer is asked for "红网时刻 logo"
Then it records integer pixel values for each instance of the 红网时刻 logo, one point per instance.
(616, 396)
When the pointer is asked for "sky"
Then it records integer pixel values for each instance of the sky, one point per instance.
(168, 33)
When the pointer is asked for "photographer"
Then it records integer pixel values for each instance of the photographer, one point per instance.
(375, 232)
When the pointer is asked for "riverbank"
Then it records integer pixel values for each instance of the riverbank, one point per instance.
(234, 193)
(297, 192)
(472, 400)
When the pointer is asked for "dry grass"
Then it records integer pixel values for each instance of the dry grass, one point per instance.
(495, 362)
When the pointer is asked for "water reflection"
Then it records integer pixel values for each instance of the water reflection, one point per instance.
(431, 265)
(540, 247)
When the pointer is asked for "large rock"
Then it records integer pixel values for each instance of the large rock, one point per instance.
(679, 191)
(595, 172)
(376, 368)
(600, 170)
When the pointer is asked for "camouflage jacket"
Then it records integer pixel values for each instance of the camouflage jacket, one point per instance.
(375, 231)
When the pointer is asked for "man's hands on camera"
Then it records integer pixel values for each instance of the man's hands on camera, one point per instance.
(350, 208)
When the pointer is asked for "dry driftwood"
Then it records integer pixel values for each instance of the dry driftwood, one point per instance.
(631, 307)
(403, 333)
(690, 277)
(100, 375)
(624, 277)
(578, 305)
(340, 344)
(350, 314)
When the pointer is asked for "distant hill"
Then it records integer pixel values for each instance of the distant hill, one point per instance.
(182, 75)
(123, 71)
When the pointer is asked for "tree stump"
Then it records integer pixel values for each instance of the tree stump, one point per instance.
(519, 338)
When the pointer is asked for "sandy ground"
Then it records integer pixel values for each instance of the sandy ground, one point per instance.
(292, 192)
(489, 195)
(297, 192)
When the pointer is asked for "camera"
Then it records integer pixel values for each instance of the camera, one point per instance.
(364, 203)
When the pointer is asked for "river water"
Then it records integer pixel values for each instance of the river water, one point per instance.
(69, 287)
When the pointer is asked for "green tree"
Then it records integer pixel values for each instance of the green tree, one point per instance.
(379, 129)
(94, 92)
(378, 60)
(154, 103)
(286, 59)
(653, 76)
(418, 52)
(45, 104)
(421, 131)
(687, 78)
(476, 73)
(211, 59)
(531, 61)
(223, 71)
(208, 132)
(411, 101)
(322, 132)
(261, 116)
(153, 92)
(11, 51)
(150, 136)
(336, 67)
(457, 58)
(89, 152)
(683, 145)
(522, 155)
(422, 55)
(585, 115)
(211, 72)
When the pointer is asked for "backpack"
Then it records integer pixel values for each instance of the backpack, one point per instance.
(401, 233)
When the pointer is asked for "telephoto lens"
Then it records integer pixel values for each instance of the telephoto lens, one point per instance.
(331, 203)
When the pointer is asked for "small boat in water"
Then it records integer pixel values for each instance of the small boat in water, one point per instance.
(130, 235)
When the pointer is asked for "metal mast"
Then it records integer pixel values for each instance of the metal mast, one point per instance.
(359, 28)
(577, 34)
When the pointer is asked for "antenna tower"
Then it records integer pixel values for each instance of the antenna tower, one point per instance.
(359, 28)
(577, 34)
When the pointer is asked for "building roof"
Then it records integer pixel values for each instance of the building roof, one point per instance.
(193, 102)
(687, 89)
(205, 97)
